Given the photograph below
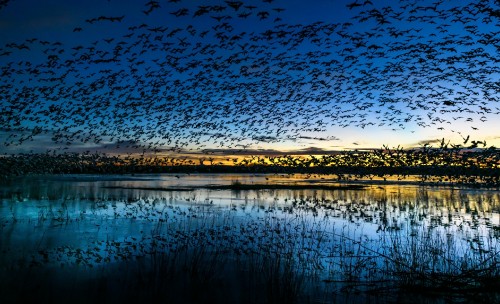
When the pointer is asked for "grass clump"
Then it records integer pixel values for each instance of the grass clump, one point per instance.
(430, 261)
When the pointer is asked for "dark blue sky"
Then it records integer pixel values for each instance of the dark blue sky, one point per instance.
(283, 75)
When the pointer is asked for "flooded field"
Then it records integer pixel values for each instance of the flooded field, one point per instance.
(210, 238)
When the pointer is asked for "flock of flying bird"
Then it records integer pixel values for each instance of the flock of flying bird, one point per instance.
(203, 79)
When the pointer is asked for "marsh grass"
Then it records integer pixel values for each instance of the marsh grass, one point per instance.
(236, 184)
(203, 253)
(430, 261)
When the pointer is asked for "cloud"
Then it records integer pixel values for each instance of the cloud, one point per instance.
(426, 142)
(263, 138)
(42, 143)
(267, 152)
(327, 138)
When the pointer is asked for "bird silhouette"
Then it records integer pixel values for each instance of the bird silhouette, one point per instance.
(198, 76)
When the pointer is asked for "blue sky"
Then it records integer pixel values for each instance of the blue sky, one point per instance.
(272, 75)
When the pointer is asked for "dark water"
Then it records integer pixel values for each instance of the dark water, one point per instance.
(329, 236)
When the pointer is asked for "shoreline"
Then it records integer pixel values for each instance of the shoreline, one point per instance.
(298, 181)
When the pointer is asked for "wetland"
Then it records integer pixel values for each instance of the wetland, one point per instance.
(248, 238)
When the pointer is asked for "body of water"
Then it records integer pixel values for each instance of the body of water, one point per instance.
(309, 244)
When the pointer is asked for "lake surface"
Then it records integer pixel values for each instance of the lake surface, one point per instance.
(335, 236)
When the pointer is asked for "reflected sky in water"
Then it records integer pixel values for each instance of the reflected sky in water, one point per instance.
(378, 206)
(35, 191)
(97, 219)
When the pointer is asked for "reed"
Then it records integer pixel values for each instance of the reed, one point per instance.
(201, 252)
(429, 260)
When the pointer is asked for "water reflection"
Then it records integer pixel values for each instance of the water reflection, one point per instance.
(383, 205)
(76, 219)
